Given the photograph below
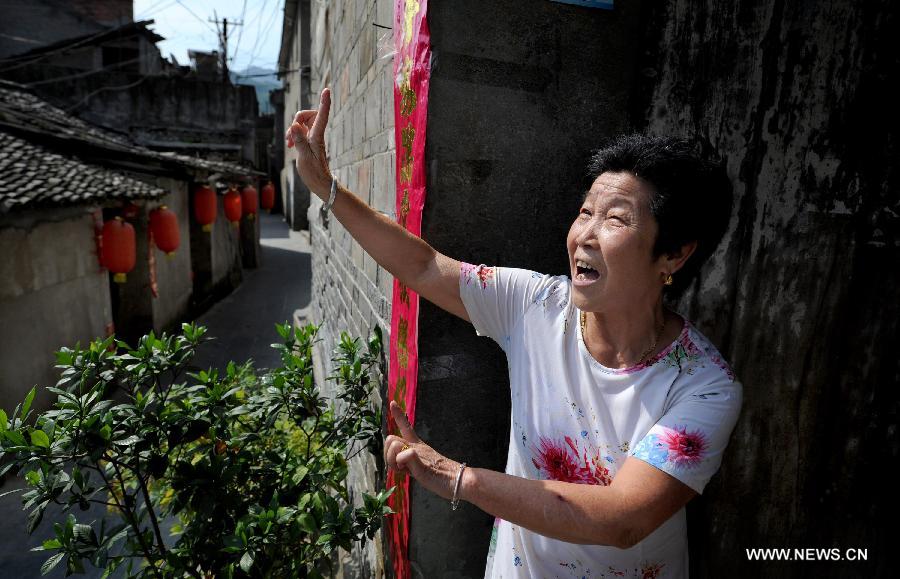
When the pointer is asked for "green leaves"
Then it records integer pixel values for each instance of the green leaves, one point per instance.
(52, 562)
(252, 467)
(246, 562)
(26, 406)
(39, 438)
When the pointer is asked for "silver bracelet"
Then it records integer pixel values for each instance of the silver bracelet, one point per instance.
(454, 502)
(326, 207)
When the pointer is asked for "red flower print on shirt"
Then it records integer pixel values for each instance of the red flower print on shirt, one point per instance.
(482, 272)
(685, 448)
(556, 463)
(651, 571)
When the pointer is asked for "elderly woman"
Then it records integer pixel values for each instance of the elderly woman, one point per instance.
(621, 409)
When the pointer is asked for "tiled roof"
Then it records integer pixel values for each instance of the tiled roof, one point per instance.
(22, 112)
(32, 176)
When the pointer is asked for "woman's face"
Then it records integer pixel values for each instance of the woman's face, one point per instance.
(614, 233)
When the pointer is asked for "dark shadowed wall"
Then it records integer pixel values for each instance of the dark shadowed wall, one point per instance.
(520, 92)
(801, 295)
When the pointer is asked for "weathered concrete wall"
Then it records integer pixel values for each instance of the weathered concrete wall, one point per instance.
(167, 112)
(53, 293)
(173, 273)
(520, 93)
(226, 253)
(349, 290)
(802, 295)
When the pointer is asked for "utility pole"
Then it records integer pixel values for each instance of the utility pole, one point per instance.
(223, 42)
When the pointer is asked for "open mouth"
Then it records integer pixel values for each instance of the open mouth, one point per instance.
(585, 272)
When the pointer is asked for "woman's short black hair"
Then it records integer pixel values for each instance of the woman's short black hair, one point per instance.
(692, 192)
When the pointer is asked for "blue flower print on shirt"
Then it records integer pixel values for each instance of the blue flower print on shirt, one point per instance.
(652, 450)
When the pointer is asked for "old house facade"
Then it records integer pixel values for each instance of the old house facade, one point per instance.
(114, 76)
(61, 178)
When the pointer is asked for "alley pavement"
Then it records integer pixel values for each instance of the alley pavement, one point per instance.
(243, 324)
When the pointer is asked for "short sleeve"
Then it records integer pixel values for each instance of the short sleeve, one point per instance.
(689, 441)
(496, 298)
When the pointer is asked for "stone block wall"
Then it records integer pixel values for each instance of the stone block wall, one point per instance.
(350, 292)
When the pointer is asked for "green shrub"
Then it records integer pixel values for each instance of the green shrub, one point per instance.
(249, 473)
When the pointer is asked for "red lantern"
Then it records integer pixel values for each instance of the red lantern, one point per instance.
(233, 206)
(119, 253)
(268, 197)
(249, 201)
(205, 207)
(164, 225)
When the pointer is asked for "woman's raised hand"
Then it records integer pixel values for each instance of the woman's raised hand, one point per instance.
(307, 135)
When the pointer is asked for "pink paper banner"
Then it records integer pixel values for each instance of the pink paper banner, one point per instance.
(412, 63)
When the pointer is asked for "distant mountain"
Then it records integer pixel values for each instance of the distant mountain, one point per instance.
(263, 79)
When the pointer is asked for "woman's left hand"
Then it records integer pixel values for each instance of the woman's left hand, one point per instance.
(432, 470)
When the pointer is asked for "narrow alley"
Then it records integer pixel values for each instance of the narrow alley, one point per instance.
(244, 326)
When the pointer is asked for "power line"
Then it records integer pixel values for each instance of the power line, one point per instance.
(263, 34)
(241, 33)
(157, 6)
(183, 5)
(223, 42)
(258, 20)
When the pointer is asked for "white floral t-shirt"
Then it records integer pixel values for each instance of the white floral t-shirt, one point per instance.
(575, 420)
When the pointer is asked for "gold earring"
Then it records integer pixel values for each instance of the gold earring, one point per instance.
(668, 279)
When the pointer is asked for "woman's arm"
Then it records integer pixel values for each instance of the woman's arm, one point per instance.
(407, 257)
(640, 498)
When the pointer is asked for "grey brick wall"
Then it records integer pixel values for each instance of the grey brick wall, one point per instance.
(350, 291)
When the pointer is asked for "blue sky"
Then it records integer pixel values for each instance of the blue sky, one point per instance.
(184, 25)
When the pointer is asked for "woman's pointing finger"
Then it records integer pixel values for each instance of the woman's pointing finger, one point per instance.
(406, 429)
(317, 134)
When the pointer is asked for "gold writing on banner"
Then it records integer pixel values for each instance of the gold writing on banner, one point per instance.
(402, 348)
(409, 14)
(400, 392)
(407, 168)
(407, 94)
(407, 136)
(400, 398)
(399, 497)
(404, 294)
(404, 207)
